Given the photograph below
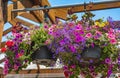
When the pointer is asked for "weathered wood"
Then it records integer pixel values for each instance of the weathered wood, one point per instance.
(29, 16)
(1, 21)
(38, 14)
(34, 71)
(7, 31)
(15, 20)
(9, 9)
(14, 14)
(98, 6)
(4, 6)
(2, 44)
(61, 13)
(19, 5)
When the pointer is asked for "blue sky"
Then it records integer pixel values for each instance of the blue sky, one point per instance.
(114, 13)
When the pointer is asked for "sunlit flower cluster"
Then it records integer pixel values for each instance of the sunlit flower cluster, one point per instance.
(71, 38)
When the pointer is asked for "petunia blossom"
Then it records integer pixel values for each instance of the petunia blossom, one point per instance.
(9, 43)
(79, 27)
(111, 36)
(73, 49)
(3, 49)
(88, 35)
(107, 60)
(113, 41)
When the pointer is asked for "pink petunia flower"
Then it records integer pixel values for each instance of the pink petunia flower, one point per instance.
(16, 67)
(79, 27)
(111, 36)
(47, 41)
(88, 35)
(113, 41)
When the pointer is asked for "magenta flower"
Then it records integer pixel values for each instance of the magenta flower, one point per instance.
(62, 42)
(65, 67)
(45, 26)
(91, 67)
(79, 39)
(92, 44)
(109, 72)
(16, 67)
(73, 66)
(73, 49)
(79, 27)
(113, 41)
(111, 36)
(107, 60)
(50, 29)
(5, 71)
(88, 35)
(50, 32)
(81, 32)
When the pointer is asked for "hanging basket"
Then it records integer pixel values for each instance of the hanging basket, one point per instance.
(91, 55)
(43, 56)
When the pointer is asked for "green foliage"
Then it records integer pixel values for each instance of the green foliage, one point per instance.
(39, 37)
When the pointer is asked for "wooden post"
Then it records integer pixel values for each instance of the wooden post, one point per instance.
(1, 21)
(14, 7)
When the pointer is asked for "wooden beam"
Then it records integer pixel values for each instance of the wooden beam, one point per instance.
(7, 31)
(1, 21)
(15, 20)
(97, 6)
(2, 44)
(29, 16)
(38, 14)
(34, 71)
(61, 13)
(4, 6)
(20, 4)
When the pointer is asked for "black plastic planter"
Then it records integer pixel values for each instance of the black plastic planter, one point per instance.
(91, 53)
(43, 56)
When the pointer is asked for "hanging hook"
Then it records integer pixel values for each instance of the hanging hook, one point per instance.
(46, 16)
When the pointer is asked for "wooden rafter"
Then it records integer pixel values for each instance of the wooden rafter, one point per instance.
(61, 13)
(97, 6)
(38, 14)
(77, 7)
(29, 16)
(15, 20)
(1, 21)
(7, 31)
(2, 44)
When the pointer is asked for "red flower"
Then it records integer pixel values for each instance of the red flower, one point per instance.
(20, 54)
(9, 43)
(66, 73)
(3, 49)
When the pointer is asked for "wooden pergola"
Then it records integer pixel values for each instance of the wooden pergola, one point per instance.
(6, 15)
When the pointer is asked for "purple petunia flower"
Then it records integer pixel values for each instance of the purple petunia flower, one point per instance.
(22, 51)
(109, 72)
(73, 49)
(81, 32)
(91, 67)
(107, 60)
(65, 67)
(62, 42)
(79, 39)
